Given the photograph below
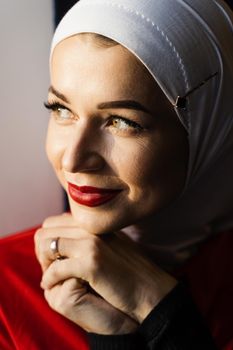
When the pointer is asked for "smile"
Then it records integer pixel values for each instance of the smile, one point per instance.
(91, 196)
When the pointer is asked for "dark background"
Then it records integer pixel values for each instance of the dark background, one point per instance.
(62, 6)
(230, 3)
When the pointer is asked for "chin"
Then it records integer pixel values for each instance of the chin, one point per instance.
(112, 216)
(99, 222)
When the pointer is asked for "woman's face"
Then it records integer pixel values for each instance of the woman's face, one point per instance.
(113, 134)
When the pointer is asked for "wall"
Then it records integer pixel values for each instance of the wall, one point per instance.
(29, 191)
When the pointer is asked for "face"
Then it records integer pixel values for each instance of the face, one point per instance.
(114, 141)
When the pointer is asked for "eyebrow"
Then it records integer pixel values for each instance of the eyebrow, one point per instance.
(126, 104)
(58, 94)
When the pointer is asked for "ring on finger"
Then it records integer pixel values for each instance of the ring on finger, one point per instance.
(54, 247)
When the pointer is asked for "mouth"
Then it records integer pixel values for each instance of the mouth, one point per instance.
(91, 196)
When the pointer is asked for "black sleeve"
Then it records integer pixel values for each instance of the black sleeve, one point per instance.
(174, 324)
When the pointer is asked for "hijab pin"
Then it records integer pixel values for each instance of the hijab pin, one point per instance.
(181, 102)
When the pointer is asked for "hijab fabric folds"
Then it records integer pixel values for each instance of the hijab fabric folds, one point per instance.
(187, 46)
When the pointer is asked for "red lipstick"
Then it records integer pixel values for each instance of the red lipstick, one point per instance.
(91, 196)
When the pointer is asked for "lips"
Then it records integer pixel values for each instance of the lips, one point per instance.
(91, 196)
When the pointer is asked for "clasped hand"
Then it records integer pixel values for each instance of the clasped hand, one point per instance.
(105, 284)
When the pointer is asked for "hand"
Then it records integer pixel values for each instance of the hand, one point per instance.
(73, 298)
(113, 267)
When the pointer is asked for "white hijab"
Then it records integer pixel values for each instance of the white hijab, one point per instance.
(187, 45)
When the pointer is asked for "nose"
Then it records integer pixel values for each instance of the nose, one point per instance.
(83, 151)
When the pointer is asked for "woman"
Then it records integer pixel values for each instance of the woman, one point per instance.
(140, 137)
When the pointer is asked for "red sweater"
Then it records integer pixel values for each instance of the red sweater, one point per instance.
(27, 322)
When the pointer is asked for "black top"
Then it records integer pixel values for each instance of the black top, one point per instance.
(174, 324)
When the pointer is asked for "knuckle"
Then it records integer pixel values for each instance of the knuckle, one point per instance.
(66, 215)
(38, 242)
(47, 296)
(65, 305)
(54, 271)
(60, 304)
(55, 302)
(65, 301)
(41, 246)
(49, 222)
(94, 255)
(37, 235)
(57, 220)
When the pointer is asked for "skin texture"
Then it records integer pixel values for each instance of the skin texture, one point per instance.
(87, 146)
(149, 165)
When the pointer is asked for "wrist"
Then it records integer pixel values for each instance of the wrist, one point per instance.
(152, 296)
(126, 327)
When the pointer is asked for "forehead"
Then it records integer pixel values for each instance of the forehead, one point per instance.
(81, 64)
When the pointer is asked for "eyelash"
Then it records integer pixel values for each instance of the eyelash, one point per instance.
(129, 122)
(55, 106)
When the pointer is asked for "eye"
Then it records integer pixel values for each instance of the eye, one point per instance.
(61, 113)
(123, 124)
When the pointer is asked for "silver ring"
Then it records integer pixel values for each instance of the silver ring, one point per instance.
(55, 249)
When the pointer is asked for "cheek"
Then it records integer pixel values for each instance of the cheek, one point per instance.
(134, 161)
(152, 168)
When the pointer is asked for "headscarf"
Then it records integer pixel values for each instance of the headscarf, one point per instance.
(187, 46)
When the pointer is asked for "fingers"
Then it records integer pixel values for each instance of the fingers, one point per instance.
(112, 266)
(87, 310)
(64, 220)
(62, 270)
(43, 239)
(85, 257)
(56, 296)
(91, 260)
